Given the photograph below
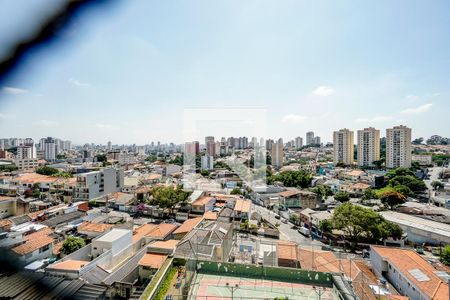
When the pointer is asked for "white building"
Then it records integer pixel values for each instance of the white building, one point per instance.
(277, 154)
(49, 149)
(309, 138)
(398, 147)
(98, 183)
(207, 162)
(343, 146)
(115, 240)
(298, 142)
(368, 146)
(24, 152)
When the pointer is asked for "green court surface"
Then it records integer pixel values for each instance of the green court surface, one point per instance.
(214, 287)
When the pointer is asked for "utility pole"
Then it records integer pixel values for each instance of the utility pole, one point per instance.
(233, 289)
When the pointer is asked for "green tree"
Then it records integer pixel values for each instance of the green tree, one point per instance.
(437, 185)
(322, 190)
(445, 255)
(72, 244)
(404, 190)
(204, 173)
(369, 194)
(8, 168)
(342, 196)
(392, 199)
(151, 158)
(168, 197)
(362, 224)
(413, 183)
(378, 164)
(178, 160)
(101, 158)
(300, 178)
(236, 191)
(294, 218)
(326, 226)
(47, 171)
(399, 172)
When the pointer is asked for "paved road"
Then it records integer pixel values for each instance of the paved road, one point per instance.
(286, 233)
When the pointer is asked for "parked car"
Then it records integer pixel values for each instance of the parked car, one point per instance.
(284, 221)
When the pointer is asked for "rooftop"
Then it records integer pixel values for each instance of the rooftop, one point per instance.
(421, 273)
(68, 265)
(188, 225)
(152, 260)
(242, 205)
(416, 222)
(34, 241)
(169, 244)
(93, 227)
(113, 235)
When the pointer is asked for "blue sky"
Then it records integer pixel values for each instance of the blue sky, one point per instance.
(128, 72)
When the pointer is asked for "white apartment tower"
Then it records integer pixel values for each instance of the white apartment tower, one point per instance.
(368, 146)
(309, 138)
(277, 154)
(398, 147)
(298, 142)
(49, 149)
(343, 146)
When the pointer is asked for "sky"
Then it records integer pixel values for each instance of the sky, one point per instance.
(132, 72)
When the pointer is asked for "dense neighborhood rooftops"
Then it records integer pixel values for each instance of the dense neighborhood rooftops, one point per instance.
(152, 260)
(169, 244)
(417, 270)
(287, 250)
(202, 201)
(93, 227)
(290, 193)
(113, 235)
(210, 215)
(242, 205)
(31, 178)
(416, 222)
(68, 265)
(188, 225)
(34, 241)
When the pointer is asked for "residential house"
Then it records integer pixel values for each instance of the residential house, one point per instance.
(36, 245)
(186, 227)
(410, 273)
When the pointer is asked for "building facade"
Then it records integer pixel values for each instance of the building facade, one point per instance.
(398, 147)
(368, 146)
(343, 146)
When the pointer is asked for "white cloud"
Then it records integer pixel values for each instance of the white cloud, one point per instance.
(291, 118)
(412, 97)
(323, 91)
(103, 126)
(376, 119)
(14, 91)
(46, 123)
(75, 82)
(417, 110)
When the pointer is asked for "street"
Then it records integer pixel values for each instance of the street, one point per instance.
(286, 233)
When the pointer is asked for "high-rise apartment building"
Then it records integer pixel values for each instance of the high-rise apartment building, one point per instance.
(343, 146)
(368, 149)
(24, 152)
(98, 183)
(317, 140)
(309, 138)
(49, 149)
(277, 154)
(298, 142)
(210, 146)
(398, 147)
(207, 162)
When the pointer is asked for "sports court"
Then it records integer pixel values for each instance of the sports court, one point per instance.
(214, 287)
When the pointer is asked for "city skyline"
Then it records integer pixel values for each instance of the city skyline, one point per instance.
(121, 72)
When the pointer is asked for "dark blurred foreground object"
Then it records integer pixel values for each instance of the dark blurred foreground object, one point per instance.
(46, 33)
